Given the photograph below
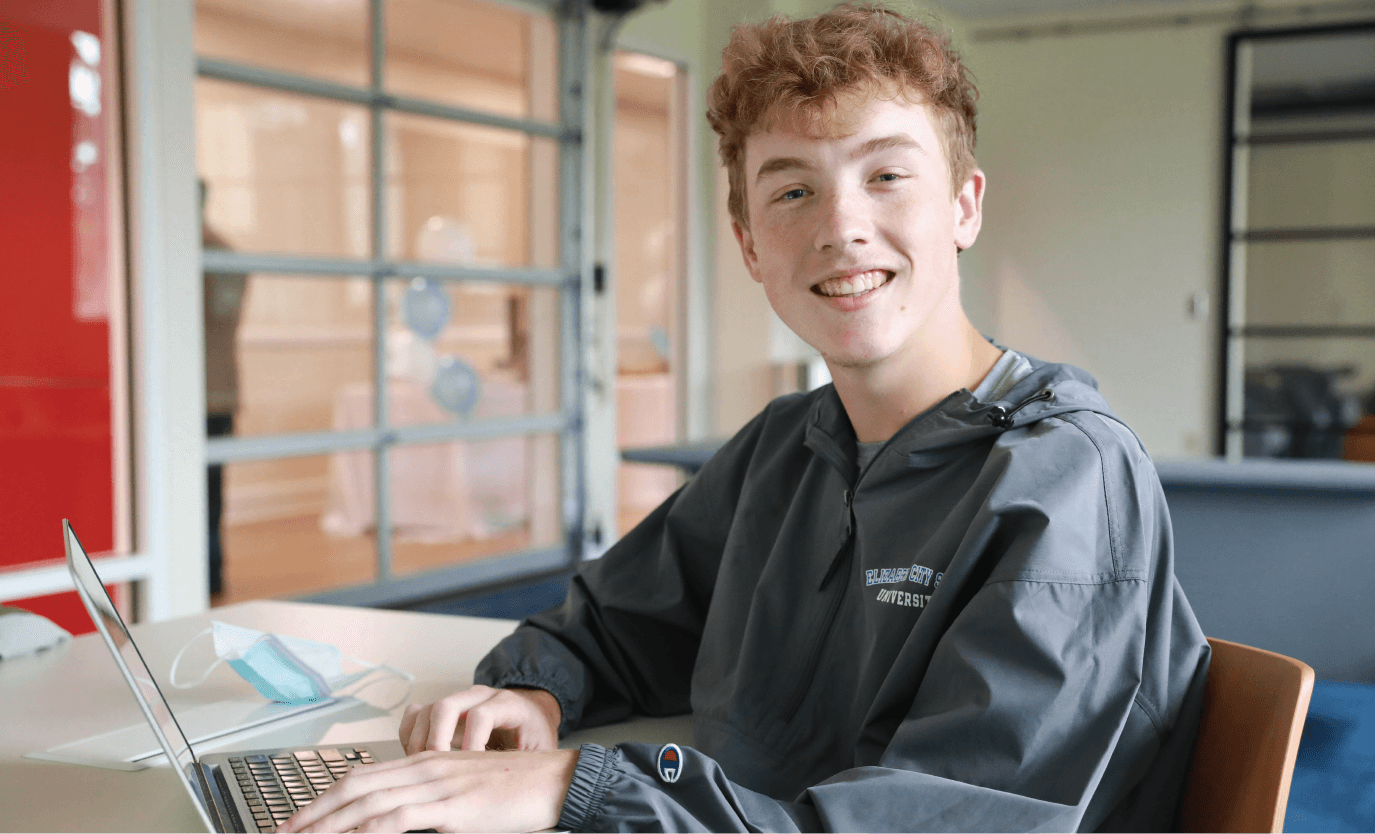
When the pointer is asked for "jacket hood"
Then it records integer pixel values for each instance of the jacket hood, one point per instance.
(1049, 390)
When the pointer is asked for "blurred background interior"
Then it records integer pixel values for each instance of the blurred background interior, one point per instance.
(360, 301)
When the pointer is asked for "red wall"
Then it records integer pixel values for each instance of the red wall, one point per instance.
(55, 412)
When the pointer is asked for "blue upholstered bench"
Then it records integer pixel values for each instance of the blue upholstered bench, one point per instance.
(1334, 777)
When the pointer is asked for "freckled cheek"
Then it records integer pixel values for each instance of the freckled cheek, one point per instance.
(780, 242)
(905, 219)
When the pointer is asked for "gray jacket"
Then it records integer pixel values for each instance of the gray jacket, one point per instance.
(982, 631)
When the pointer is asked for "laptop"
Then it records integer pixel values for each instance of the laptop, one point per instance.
(255, 790)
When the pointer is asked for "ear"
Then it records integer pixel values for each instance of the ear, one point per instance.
(746, 241)
(969, 210)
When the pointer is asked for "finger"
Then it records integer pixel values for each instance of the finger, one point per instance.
(359, 782)
(446, 713)
(478, 731)
(420, 733)
(408, 721)
(370, 811)
(507, 710)
(537, 738)
(381, 767)
(443, 725)
(513, 711)
(416, 816)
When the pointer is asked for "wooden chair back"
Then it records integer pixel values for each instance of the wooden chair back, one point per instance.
(1254, 707)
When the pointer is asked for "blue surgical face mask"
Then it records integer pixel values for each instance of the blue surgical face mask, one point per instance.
(276, 672)
(290, 670)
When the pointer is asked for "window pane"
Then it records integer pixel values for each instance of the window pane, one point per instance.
(1312, 185)
(461, 193)
(297, 525)
(1317, 283)
(473, 54)
(457, 502)
(322, 40)
(647, 217)
(283, 173)
(649, 264)
(298, 359)
(646, 415)
(460, 350)
(1307, 397)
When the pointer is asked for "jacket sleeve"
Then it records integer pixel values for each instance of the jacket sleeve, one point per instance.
(1031, 695)
(1020, 714)
(629, 646)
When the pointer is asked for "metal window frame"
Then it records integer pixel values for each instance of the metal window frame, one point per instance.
(571, 279)
(1235, 235)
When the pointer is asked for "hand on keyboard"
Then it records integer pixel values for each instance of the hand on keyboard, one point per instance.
(452, 791)
(483, 718)
(274, 787)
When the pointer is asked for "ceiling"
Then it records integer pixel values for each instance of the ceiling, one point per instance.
(981, 9)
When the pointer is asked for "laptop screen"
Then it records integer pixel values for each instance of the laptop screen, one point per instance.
(136, 673)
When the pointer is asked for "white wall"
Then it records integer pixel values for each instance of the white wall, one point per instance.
(1103, 154)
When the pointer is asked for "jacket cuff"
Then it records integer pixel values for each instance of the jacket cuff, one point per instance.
(587, 792)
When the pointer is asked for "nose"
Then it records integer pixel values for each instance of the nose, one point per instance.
(845, 220)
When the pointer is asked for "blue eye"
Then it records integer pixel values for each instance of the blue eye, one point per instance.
(794, 194)
(889, 177)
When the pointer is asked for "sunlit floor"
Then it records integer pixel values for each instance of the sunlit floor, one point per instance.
(291, 556)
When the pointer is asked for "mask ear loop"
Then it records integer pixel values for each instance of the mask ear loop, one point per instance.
(382, 667)
(172, 675)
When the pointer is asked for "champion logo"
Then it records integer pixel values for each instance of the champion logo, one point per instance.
(670, 763)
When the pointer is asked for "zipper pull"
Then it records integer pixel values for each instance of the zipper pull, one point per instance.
(849, 498)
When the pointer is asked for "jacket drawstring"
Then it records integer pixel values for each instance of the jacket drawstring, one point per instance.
(1001, 418)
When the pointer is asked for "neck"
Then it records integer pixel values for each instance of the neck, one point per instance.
(883, 397)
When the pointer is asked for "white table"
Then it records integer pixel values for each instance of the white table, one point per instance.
(75, 691)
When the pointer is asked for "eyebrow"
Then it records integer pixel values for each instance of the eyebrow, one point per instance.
(879, 143)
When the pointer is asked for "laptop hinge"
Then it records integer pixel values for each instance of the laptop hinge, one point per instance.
(211, 797)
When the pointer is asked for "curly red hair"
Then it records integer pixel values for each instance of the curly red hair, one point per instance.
(797, 67)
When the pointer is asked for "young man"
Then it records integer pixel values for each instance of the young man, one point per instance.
(938, 595)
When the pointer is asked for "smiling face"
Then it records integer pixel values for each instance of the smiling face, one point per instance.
(854, 229)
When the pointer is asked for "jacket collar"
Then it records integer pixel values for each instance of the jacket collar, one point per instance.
(959, 419)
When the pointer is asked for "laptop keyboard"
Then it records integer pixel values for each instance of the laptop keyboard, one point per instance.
(276, 786)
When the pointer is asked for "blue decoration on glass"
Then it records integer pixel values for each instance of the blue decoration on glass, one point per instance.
(456, 386)
(658, 337)
(425, 308)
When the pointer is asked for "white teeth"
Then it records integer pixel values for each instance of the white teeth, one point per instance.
(854, 285)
